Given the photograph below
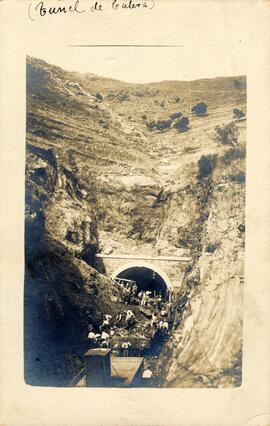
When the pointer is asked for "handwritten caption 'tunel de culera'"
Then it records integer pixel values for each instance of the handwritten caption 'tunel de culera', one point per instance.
(41, 9)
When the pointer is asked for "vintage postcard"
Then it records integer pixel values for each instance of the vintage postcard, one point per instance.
(136, 231)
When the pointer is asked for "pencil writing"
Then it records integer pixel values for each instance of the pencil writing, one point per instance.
(41, 9)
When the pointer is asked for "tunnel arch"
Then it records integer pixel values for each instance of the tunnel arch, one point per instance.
(127, 268)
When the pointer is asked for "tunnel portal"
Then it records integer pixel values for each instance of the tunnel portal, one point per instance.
(145, 278)
(168, 269)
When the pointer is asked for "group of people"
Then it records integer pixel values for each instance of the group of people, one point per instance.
(98, 339)
(160, 320)
(120, 326)
(108, 328)
(129, 291)
(131, 295)
(145, 298)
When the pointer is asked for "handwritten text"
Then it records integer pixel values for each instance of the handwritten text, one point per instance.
(41, 9)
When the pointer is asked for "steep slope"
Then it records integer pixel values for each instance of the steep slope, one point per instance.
(206, 346)
(62, 292)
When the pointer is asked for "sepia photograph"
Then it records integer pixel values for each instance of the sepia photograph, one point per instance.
(134, 228)
(134, 237)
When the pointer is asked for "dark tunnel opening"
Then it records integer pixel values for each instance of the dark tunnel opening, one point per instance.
(146, 279)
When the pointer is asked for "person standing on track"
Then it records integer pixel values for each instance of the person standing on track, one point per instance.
(125, 347)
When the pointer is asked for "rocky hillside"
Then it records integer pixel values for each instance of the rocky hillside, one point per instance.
(206, 346)
(100, 177)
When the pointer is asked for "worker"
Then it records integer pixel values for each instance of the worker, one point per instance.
(147, 298)
(159, 301)
(169, 308)
(134, 289)
(108, 317)
(125, 347)
(144, 299)
(92, 337)
(106, 322)
(140, 294)
(104, 335)
(147, 374)
(155, 302)
(126, 295)
(104, 340)
(165, 328)
(163, 312)
(118, 319)
(133, 299)
(154, 321)
(160, 325)
(130, 318)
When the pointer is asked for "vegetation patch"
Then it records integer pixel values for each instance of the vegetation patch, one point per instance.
(227, 134)
(199, 109)
(182, 124)
(206, 166)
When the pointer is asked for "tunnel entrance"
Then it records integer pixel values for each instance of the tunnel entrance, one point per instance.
(146, 279)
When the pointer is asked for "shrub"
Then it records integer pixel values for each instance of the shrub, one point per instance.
(238, 113)
(123, 97)
(188, 237)
(234, 154)
(144, 117)
(137, 228)
(238, 177)
(239, 85)
(176, 115)
(211, 248)
(200, 108)
(163, 124)
(99, 97)
(227, 135)
(206, 165)
(159, 125)
(241, 227)
(182, 124)
(151, 125)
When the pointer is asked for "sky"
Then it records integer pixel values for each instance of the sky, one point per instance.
(148, 64)
(212, 39)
